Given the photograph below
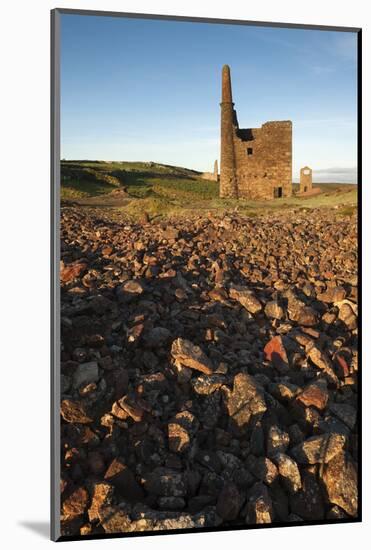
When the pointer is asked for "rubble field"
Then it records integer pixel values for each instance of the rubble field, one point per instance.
(208, 370)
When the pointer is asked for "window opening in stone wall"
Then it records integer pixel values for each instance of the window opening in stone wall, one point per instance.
(249, 150)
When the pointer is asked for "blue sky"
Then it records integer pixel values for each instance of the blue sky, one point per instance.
(136, 89)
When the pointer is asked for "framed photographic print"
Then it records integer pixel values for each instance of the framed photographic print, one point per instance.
(205, 188)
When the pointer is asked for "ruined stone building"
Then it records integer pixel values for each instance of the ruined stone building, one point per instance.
(213, 176)
(255, 163)
(305, 180)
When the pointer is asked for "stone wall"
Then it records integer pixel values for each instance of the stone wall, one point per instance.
(213, 176)
(209, 176)
(263, 158)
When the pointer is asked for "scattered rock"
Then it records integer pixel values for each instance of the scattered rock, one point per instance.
(244, 401)
(277, 440)
(74, 412)
(72, 271)
(76, 504)
(315, 395)
(273, 310)
(191, 356)
(275, 351)
(288, 471)
(347, 315)
(319, 448)
(102, 496)
(208, 369)
(246, 298)
(340, 479)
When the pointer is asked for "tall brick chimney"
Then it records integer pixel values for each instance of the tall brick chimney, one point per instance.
(228, 181)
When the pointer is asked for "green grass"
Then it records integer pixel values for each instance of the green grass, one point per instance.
(163, 190)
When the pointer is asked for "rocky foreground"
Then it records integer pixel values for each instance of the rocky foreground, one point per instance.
(209, 371)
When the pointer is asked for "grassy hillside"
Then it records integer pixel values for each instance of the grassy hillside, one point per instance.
(160, 189)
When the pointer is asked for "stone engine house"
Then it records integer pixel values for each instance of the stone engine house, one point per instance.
(255, 163)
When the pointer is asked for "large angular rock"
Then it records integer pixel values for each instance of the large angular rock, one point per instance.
(347, 315)
(102, 496)
(187, 354)
(319, 448)
(300, 313)
(244, 401)
(76, 504)
(273, 310)
(314, 395)
(131, 408)
(246, 298)
(340, 480)
(275, 352)
(74, 412)
(288, 471)
(320, 360)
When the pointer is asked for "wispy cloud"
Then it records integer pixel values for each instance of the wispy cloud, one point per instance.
(334, 175)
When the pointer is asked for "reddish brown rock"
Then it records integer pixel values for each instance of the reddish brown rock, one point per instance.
(72, 271)
(275, 352)
(314, 395)
(341, 366)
